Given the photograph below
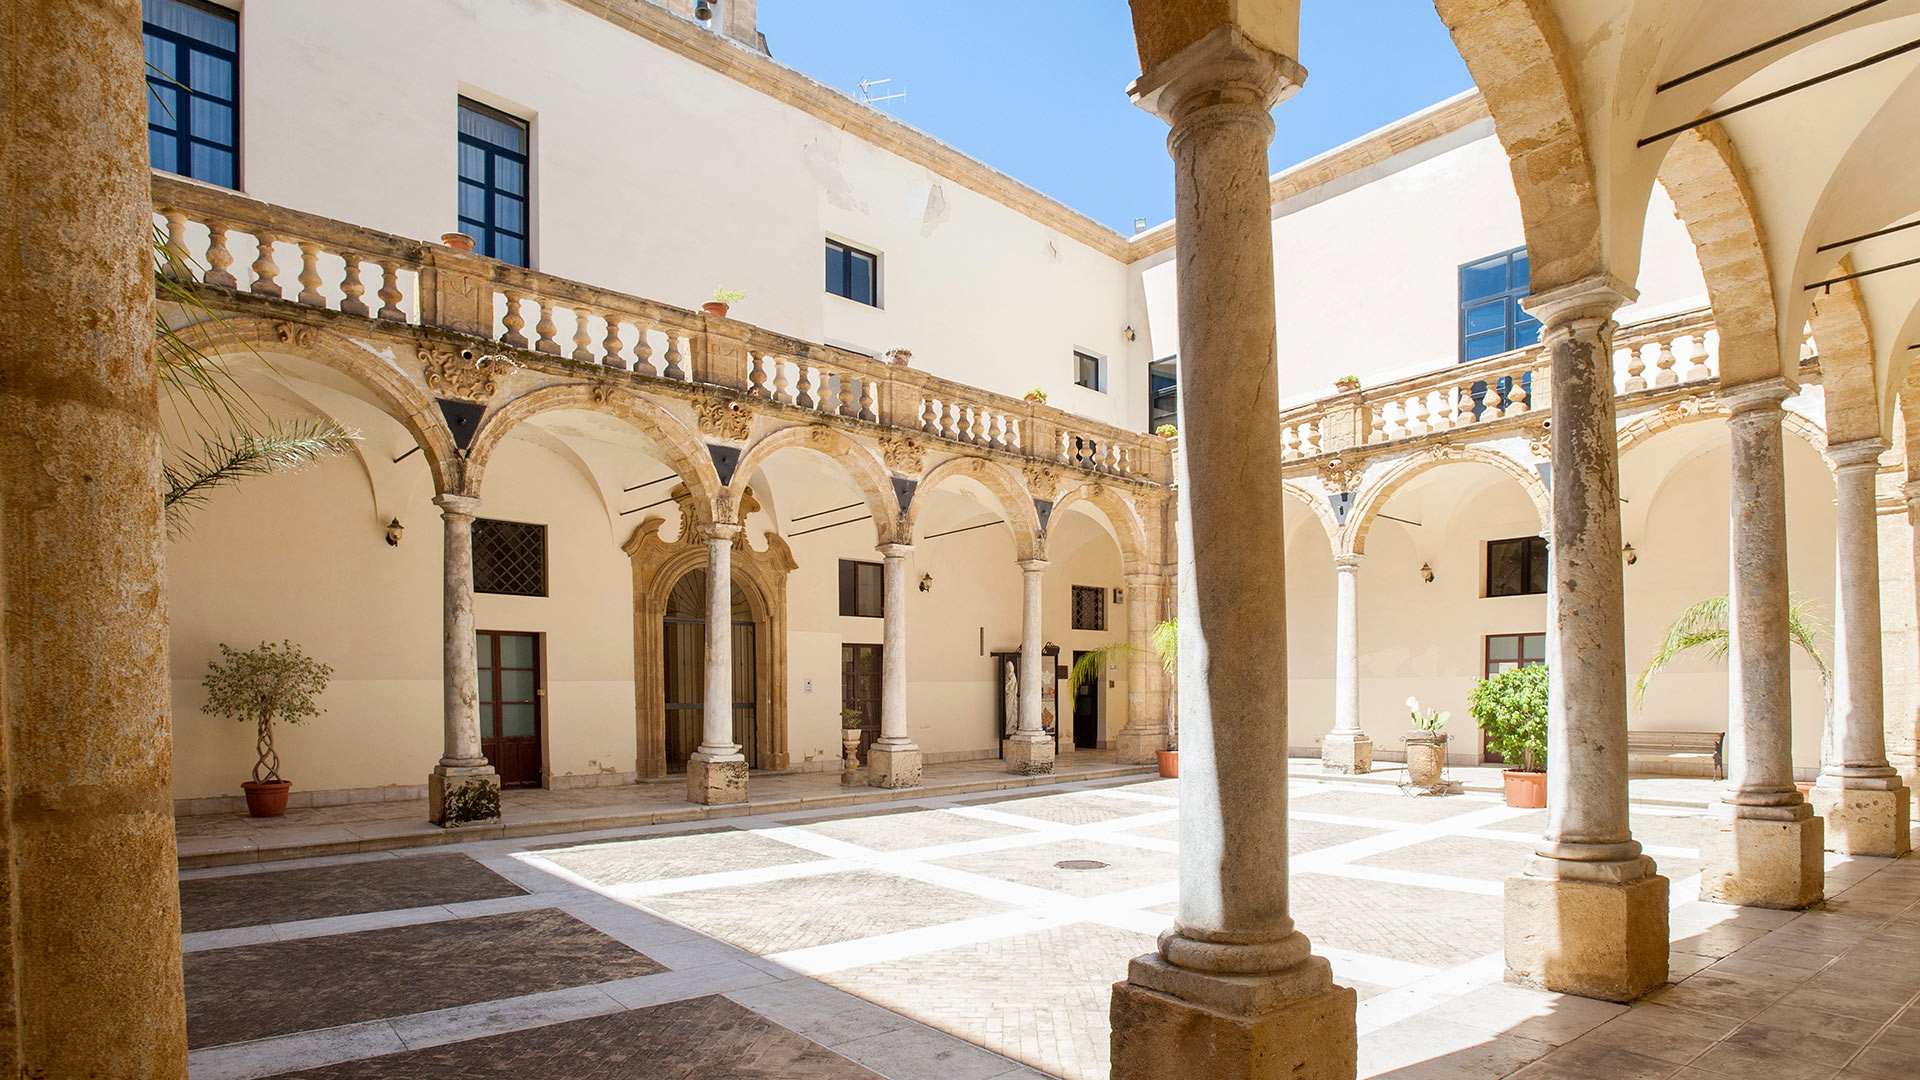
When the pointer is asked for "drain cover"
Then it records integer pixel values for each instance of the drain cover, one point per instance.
(1080, 864)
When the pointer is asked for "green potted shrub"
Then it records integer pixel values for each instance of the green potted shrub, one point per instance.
(1166, 431)
(1347, 383)
(1426, 745)
(723, 301)
(260, 686)
(1511, 709)
(1036, 396)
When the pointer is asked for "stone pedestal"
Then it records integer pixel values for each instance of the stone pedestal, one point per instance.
(1134, 747)
(716, 782)
(1027, 755)
(1594, 939)
(1866, 821)
(463, 795)
(1762, 862)
(893, 766)
(1168, 1022)
(1347, 752)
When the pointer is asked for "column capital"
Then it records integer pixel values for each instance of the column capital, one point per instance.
(1763, 396)
(1033, 566)
(1593, 299)
(1225, 68)
(1857, 454)
(1348, 561)
(1144, 581)
(719, 531)
(894, 551)
(457, 505)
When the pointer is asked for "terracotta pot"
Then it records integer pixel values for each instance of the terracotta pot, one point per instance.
(458, 241)
(267, 798)
(1426, 757)
(1806, 787)
(1169, 764)
(715, 307)
(1346, 387)
(1525, 790)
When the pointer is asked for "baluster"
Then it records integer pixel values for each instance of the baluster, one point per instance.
(1377, 424)
(612, 347)
(643, 348)
(1417, 415)
(582, 337)
(869, 401)
(996, 426)
(803, 392)
(1395, 417)
(979, 426)
(1063, 447)
(1313, 437)
(1663, 373)
(218, 257)
(545, 329)
(929, 419)
(514, 321)
(782, 390)
(1699, 370)
(1015, 442)
(845, 406)
(310, 294)
(351, 288)
(265, 270)
(1636, 368)
(949, 420)
(1438, 411)
(756, 373)
(389, 293)
(175, 266)
(1289, 443)
(1519, 398)
(673, 357)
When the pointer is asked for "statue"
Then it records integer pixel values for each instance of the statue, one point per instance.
(1013, 700)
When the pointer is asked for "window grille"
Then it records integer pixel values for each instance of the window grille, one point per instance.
(1089, 607)
(509, 557)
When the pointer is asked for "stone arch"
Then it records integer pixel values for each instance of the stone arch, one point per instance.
(1376, 495)
(396, 390)
(679, 448)
(1645, 426)
(1135, 556)
(857, 461)
(1703, 174)
(1029, 541)
(1321, 511)
(1847, 363)
(1514, 51)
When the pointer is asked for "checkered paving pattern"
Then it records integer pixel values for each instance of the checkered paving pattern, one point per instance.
(323, 892)
(674, 856)
(796, 913)
(904, 831)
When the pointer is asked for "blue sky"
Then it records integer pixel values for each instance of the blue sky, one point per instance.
(1037, 89)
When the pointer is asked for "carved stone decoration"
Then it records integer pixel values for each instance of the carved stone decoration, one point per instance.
(289, 334)
(1540, 439)
(729, 420)
(903, 456)
(1443, 450)
(1341, 474)
(1042, 482)
(461, 374)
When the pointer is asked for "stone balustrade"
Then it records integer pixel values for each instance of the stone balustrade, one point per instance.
(434, 285)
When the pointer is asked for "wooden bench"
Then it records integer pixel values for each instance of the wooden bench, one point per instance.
(1693, 747)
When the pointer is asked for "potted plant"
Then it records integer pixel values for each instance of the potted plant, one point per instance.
(1347, 383)
(260, 686)
(723, 300)
(1166, 431)
(850, 725)
(1165, 642)
(900, 357)
(1511, 709)
(1426, 745)
(1036, 396)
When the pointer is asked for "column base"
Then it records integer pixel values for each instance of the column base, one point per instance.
(1866, 821)
(1592, 939)
(1030, 755)
(459, 795)
(893, 766)
(1170, 1021)
(1762, 862)
(1349, 752)
(716, 782)
(1139, 747)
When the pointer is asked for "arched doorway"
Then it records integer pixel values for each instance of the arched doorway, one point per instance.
(684, 642)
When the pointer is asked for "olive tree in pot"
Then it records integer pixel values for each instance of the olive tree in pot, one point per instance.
(1426, 745)
(260, 686)
(1511, 709)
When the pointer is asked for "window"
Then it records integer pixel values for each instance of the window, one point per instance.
(1089, 607)
(493, 182)
(861, 592)
(193, 92)
(509, 557)
(1508, 651)
(853, 273)
(1089, 371)
(1517, 567)
(1163, 393)
(1491, 321)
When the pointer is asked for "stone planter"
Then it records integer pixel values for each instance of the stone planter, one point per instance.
(850, 757)
(1426, 757)
(267, 798)
(1525, 790)
(1169, 764)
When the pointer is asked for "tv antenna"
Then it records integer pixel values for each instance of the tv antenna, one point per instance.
(869, 97)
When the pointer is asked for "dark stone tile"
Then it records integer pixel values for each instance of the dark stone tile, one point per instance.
(707, 1038)
(255, 991)
(323, 892)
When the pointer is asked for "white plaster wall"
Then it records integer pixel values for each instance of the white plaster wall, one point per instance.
(659, 177)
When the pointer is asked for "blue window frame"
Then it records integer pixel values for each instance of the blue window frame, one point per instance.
(1163, 393)
(493, 182)
(1491, 321)
(853, 273)
(193, 90)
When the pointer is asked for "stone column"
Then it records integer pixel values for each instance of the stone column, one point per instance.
(1761, 846)
(1900, 616)
(1233, 991)
(1146, 731)
(717, 770)
(1346, 748)
(1030, 750)
(1866, 808)
(90, 929)
(894, 760)
(463, 788)
(1588, 915)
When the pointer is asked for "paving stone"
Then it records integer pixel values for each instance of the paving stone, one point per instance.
(1071, 808)
(820, 909)
(1302, 836)
(253, 991)
(1456, 856)
(1127, 867)
(914, 829)
(1420, 925)
(324, 892)
(1387, 804)
(655, 858)
(708, 1038)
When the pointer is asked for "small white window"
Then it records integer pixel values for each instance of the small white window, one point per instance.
(1089, 371)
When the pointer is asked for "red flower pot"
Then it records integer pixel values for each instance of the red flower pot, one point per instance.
(1525, 790)
(1169, 763)
(267, 798)
(458, 241)
(715, 307)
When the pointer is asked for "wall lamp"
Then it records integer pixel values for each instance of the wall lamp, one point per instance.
(394, 531)
(1119, 597)
(926, 582)
(1629, 554)
(1426, 573)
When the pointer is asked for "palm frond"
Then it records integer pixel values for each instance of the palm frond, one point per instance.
(1805, 627)
(226, 459)
(1703, 626)
(1089, 664)
(1166, 643)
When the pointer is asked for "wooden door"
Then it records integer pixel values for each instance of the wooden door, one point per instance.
(860, 667)
(510, 699)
